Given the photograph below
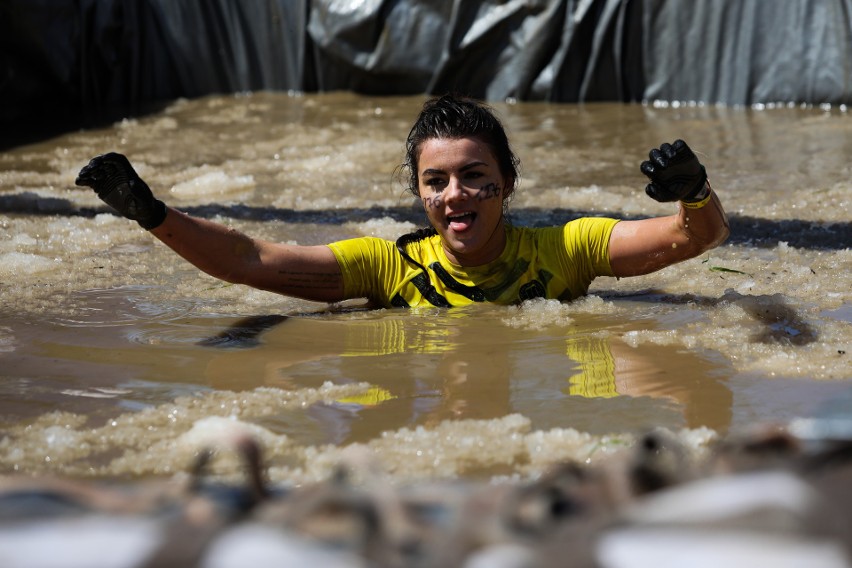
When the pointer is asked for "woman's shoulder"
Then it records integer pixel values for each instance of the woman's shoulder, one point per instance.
(578, 233)
(362, 247)
(531, 234)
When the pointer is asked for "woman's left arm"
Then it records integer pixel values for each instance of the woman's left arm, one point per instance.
(641, 247)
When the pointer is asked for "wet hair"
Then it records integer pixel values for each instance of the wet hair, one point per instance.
(453, 116)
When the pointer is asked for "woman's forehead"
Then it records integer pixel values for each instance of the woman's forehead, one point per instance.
(455, 151)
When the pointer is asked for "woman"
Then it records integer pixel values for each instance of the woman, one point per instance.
(462, 168)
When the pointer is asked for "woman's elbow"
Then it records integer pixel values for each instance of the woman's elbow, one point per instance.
(723, 231)
(698, 246)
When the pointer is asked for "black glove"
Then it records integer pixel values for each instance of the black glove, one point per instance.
(675, 173)
(116, 183)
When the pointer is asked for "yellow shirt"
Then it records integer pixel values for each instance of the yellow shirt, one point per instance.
(548, 262)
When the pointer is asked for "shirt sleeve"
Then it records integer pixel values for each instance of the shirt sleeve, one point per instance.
(587, 243)
(370, 267)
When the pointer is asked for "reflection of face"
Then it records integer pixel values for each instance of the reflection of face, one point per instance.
(462, 191)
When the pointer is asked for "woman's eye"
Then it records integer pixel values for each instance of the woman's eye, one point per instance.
(435, 183)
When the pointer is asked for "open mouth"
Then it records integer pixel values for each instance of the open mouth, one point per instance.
(461, 222)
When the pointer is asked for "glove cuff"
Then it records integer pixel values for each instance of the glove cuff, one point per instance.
(155, 217)
(700, 191)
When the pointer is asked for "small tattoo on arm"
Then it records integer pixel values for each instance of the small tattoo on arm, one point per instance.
(311, 280)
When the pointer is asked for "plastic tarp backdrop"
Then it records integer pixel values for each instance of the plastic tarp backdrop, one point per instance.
(86, 56)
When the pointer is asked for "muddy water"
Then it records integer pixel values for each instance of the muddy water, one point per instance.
(119, 359)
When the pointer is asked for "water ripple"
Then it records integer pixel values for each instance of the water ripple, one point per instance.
(122, 305)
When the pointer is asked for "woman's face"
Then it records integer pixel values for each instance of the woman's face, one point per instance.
(462, 190)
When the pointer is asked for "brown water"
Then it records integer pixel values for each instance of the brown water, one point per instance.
(119, 359)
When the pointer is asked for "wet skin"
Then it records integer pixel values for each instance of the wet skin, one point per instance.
(462, 191)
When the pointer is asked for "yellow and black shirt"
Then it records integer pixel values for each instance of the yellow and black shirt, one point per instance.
(549, 262)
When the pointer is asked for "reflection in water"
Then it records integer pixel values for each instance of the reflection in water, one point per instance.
(138, 396)
(467, 364)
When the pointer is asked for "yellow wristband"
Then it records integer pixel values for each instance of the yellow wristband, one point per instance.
(698, 204)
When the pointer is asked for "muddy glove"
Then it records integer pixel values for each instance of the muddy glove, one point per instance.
(116, 183)
(675, 174)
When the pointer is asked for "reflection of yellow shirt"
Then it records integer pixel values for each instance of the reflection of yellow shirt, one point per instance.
(595, 377)
(388, 336)
(550, 262)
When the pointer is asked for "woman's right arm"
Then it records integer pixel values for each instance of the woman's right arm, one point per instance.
(308, 272)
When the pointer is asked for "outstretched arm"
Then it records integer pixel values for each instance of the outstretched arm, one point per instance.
(641, 247)
(309, 272)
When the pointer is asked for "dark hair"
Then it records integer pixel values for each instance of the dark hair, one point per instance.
(453, 116)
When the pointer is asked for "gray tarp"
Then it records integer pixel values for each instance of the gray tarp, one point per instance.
(82, 58)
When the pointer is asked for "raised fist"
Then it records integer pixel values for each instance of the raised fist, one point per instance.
(675, 173)
(117, 184)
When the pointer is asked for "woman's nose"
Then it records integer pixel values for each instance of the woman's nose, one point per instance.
(454, 191)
